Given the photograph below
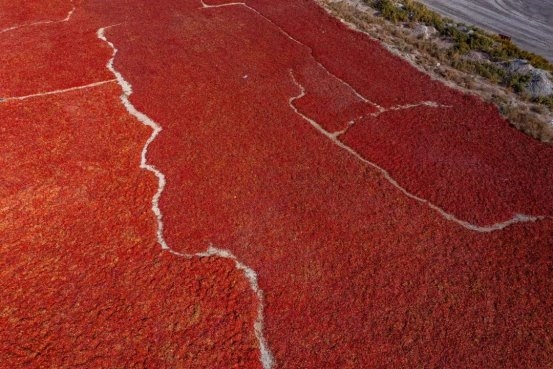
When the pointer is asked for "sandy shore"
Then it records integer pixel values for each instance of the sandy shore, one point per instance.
(529, 23)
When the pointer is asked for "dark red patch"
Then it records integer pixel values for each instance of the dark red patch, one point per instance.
(464, 159)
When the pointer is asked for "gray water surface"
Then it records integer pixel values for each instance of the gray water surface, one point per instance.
(528, 22)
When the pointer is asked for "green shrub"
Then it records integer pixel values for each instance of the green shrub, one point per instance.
(389, 10)
(475, 39)
(517, 82)
(466, 39)
(420, 13)
(546, 100)
(481, 42)
(486, 70)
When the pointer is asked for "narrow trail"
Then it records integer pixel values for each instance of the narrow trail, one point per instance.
(55, 92)
(266, 356)
(335, 136)
(214, 184)
(518, 218)
(83, 281)
(42, 22)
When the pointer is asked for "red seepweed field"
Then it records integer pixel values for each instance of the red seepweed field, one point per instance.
(192, 184)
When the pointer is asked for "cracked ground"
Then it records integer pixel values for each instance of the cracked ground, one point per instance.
(190, 184)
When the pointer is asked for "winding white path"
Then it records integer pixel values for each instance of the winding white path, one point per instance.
(529, 23)
(266, 356)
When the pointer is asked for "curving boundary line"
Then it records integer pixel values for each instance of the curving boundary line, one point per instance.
(334, 136)
(266, 357)
(517, 218)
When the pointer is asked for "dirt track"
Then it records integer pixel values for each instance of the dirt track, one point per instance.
(529, 22)
(211, 185)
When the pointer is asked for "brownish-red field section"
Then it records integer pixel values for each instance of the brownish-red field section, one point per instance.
(391, 221)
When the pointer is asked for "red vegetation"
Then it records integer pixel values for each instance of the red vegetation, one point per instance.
(355, 274)
(63, 57)
(83, 282)
(17, 13)
(465, 159)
